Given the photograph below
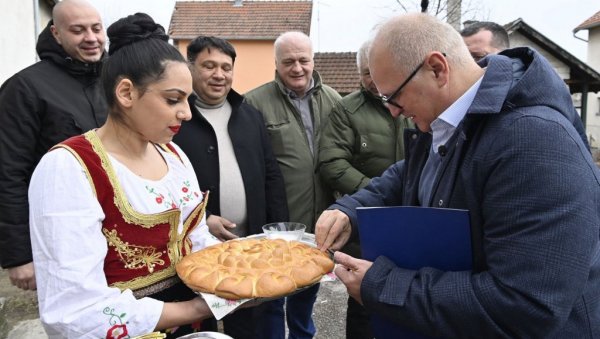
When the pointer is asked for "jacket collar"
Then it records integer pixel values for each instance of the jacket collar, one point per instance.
(317, 83)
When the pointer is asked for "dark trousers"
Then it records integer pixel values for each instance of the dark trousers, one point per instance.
(249, 323)
(298, 313)
(358, 323)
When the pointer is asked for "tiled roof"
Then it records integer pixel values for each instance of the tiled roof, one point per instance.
(589, 23)
(253, 20)
(338, 70)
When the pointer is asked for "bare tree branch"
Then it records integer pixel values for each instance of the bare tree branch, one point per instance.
(401, 5)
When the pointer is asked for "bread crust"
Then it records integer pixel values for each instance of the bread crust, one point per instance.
(253, 268)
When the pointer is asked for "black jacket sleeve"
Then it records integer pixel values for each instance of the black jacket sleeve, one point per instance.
(276, 201)
(20, 124)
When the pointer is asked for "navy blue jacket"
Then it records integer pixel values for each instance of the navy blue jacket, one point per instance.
(522, 168)
(263, 182)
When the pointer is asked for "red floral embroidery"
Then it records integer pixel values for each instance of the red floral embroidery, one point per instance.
(117, 332)
(118, 329)
(173, 202)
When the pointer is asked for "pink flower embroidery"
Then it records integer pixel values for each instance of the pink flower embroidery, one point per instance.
(184, 189)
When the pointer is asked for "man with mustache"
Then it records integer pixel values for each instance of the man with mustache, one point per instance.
(40, 106)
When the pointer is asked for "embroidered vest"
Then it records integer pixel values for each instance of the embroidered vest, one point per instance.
(142, 248)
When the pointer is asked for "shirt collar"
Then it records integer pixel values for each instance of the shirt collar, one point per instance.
(445, 124)
(293, 94)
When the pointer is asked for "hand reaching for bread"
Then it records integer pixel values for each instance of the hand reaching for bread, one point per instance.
(218, 227)
(252, 268)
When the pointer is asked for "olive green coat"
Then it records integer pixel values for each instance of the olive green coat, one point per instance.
(360, 140)
(307, 197)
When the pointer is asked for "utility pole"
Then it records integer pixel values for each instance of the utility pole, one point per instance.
(454, 9)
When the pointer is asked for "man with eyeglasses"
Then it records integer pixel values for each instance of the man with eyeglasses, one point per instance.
(359, 141)
(484, 38)
(494, 142)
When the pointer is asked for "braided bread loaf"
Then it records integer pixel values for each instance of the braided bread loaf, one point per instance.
(251, 268)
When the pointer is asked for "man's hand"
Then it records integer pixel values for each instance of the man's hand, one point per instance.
(23, 276)
(351, 272)
(218, 226)
(332, 230)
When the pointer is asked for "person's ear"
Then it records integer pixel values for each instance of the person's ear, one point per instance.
(55, 34)
(438, 63)
(125, 93)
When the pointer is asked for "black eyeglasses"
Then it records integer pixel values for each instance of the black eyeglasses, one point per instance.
(388, 99)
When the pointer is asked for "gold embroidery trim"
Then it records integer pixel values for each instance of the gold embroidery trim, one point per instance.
(130, 215)
(176, 241)
(147, 280)
(175, 249)
(134, 256)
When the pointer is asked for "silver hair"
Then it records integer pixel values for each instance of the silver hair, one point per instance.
(410, 37)
(362, 56)
(291, 35)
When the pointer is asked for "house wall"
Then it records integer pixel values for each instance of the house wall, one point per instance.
(19, 37)
(593, 107)
(518, 40)
(254, 64)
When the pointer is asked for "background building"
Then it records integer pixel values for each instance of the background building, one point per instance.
(592, 25)
(250, 26)
(19, 33)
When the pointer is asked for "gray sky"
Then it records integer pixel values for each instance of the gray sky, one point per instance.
(343, 25)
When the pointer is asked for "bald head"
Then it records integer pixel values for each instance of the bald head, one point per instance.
(410, 37)
(77, 27)
(297, 39)
(415, 58)
(63, 10)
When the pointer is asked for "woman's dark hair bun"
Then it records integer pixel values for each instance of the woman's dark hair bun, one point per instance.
(133, 28)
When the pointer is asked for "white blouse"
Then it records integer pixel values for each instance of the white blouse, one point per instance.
(69, 248)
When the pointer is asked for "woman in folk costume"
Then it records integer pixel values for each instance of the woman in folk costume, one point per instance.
(113, 210)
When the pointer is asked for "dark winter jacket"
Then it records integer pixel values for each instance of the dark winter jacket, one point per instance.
(40, 106)
(263, 182)
(360, 140)
(524, 172)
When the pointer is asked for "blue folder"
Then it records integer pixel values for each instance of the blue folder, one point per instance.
(413, 238)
